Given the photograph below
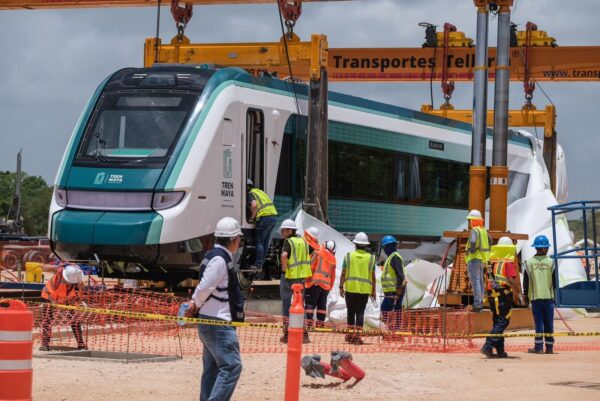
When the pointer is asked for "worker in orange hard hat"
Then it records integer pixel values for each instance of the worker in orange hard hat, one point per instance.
(477, 256)
(62, 288)
(323, 266)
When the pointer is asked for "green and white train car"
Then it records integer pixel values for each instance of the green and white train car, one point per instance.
(160, 154)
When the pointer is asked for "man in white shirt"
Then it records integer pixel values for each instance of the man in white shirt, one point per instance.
(218, 297)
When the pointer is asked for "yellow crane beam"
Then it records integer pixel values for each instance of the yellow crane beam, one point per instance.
(560, 64)
(57, 4)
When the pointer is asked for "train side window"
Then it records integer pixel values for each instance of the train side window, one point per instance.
(255, 155)
(227, 130)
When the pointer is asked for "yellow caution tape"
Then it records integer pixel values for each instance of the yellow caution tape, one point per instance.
(195, 320)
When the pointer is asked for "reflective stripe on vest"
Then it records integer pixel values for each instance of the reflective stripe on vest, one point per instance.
(323, 268)
(298, 260)
(359, 269)
(57, 289)
(389, 279)
(540, 270)
(482, 246)
(497, 278)
(265, 204)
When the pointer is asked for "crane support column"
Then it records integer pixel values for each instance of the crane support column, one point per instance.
(499, 170)
(317, 174)
(478, 171)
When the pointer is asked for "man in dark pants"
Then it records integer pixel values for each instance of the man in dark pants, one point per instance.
(357, 283)
(262, 210)
(393, 282)
(501, 288)
(323, 266)
(538, 281)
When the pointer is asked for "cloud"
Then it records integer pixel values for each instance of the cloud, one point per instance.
(53, 60)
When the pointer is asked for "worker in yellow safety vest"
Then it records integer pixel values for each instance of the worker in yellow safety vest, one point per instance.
(540, 284)
(295, 268)
(477, 256)
(263, 212)
(357, 283)
(322, 264)
(502, 292)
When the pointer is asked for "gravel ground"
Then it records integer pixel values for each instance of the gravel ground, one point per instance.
(414, 376)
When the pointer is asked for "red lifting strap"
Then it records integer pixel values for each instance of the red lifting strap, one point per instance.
(290, 9)
(182, 12)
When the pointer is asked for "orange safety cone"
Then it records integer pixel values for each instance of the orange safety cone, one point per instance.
(294, 354)
(16, 350)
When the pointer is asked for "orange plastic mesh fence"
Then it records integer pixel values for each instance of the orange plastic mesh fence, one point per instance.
(146, 322)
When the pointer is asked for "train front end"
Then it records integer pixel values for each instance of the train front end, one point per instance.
(111, 195)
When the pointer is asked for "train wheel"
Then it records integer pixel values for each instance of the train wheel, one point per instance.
(245, 280)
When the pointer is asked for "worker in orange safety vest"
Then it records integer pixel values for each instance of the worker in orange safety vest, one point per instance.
(62, 288)
(323, 266)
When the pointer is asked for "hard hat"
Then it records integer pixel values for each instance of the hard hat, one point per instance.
(541, 241)
(388, 239)
(314, 231)
(72, 274)
(361, 239)
(249, 182)
(289, 224)
(505, 241)
(474, 215)
(330, 245)
(228, 227)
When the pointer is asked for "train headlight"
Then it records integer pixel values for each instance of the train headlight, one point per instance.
(165, 200)
(60, 196)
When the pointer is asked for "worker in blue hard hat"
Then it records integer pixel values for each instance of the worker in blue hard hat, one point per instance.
(539, 282)
(393, 282)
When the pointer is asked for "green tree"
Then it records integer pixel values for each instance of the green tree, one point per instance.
(35, 201)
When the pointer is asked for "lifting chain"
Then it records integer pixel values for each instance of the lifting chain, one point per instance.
(291, 11)
(528, 84)
(182, 14)
(447, 86)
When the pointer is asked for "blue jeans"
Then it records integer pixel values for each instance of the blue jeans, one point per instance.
(391, 310)
(262, 234)
(543, 317)
(222, 365)
(475, 270)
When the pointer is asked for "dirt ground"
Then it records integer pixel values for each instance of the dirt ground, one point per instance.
(407, 376)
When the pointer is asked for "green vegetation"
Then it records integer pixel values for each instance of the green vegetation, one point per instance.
(577, 227)
(35, 201)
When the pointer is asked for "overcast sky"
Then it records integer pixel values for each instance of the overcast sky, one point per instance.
(52, 61)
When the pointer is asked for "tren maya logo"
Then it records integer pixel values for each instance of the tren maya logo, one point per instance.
(103, 178)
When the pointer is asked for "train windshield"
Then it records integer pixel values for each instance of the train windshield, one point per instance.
(135, 126)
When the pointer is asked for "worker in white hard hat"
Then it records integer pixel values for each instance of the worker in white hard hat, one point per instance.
(218, 297)
(357, 283)
(502, 291)
(311, 236)
(262, 211)
(295, 268)
(477, 256)
(62, 288)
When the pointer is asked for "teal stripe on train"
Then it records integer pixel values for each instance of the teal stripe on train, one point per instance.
(381, 218)
(106, 228)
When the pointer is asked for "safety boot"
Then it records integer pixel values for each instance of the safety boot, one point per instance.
(488, 352)
(549, 350)
(535, 351)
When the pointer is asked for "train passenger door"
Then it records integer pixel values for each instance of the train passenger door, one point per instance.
(255, 149)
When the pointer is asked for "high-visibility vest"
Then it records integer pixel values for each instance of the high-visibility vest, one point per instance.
(389, 279)
(500, 255)
(540, 270)
(57, 289)
(311, 241)
(323, 269)
(359, 270)
(298, 260)
(265, 204)
(482, 246)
